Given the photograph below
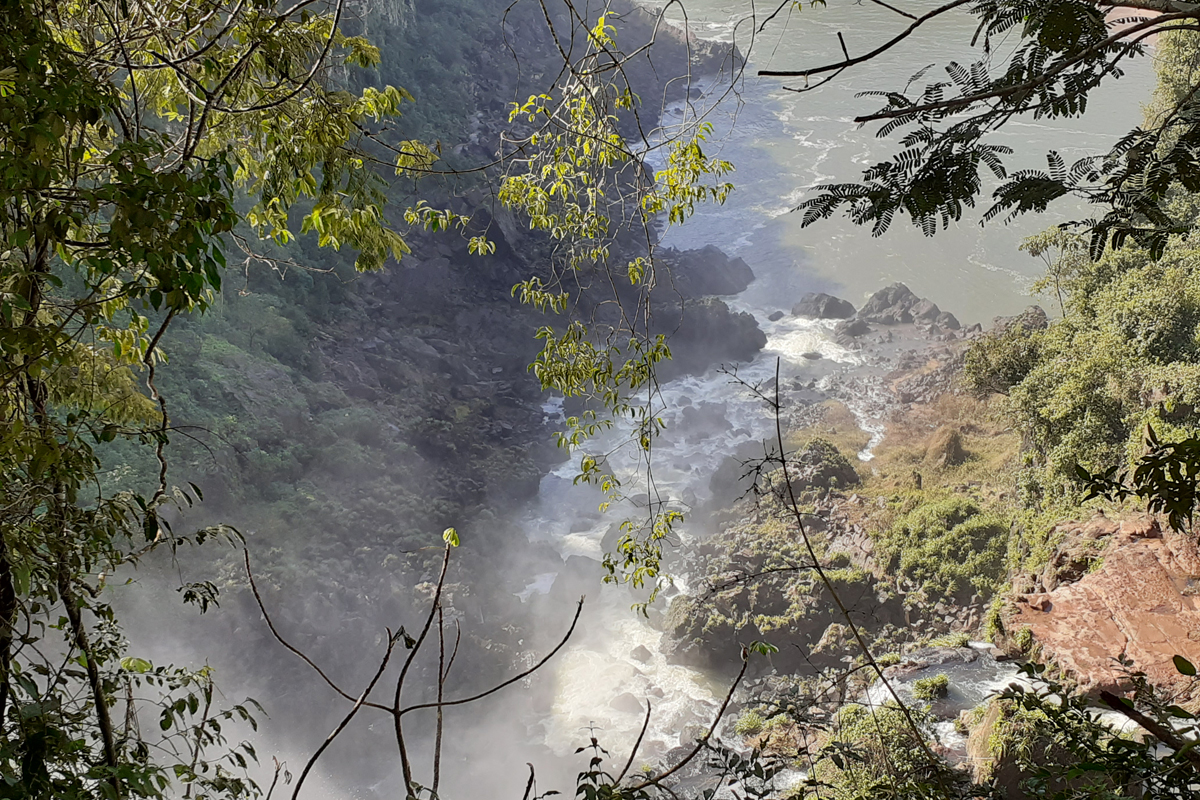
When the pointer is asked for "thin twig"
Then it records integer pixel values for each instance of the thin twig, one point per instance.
(636, 745)
(703, 739)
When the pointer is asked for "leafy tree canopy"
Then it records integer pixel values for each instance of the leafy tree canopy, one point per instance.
(137, 143)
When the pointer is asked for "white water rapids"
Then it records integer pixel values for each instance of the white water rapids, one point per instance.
(782, 143)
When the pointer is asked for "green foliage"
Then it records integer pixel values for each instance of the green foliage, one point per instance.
(749, 723)
(1062, 51)
(935, 687)
(948, 548)
(579, 183)
(872, 752)
(122, 174)
(1166, 477)
(951, 640)
(997, 362)
(1054, 737)
(1124, 356)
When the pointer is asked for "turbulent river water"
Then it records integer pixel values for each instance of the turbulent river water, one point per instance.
(782, 143)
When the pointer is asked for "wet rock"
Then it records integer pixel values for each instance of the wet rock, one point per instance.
(851, 328)
(640, 653)
(925, 310)
(893, 306)
(948, 321)
(734, 476)
(627, 703)
(775, 316)
(823, 306)
(812, 356)
(707, 271)
(920, 660)
(706, 332)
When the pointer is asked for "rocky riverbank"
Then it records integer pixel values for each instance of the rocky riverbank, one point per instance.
(918, 535)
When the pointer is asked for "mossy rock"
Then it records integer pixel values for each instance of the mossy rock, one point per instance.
(820, 465)
(945, 448)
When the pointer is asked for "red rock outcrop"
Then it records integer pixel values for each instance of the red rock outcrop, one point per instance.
(1143, 603)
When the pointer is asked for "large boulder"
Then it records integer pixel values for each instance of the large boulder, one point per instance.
(846, 331)
(945, 448)
(1142, 605)
(1031, 319)
(705, 333)
(823, 306)
(707, 271)
(895, 305)
(820, 465)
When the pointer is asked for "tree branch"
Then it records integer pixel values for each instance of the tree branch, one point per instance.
(883, 48)
(1158, 731)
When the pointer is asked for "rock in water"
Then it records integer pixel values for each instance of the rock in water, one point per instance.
(707, 271)
(640, 653)
(823, 306)
(894, 306)
(628, 703)
(846, 332)
(706, 332)
(948, 321)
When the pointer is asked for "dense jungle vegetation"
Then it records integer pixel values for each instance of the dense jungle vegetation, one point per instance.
(232, 186)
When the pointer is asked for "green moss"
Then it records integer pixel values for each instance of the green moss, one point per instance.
(949, 548)
(1023, 639)
(951, 640)
(993, 621)
(874, 752)
(935, 687)
(750, 723)
(887, 659)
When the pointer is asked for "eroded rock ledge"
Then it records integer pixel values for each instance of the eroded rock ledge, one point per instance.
(1142, 604)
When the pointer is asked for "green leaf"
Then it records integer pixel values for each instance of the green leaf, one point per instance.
(1184, 666)
(450, 537)
(138, 665)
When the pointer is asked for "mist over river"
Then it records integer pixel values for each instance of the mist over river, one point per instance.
(781, 143)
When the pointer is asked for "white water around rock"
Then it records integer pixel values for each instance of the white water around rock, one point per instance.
(781, 144)
(707, 417)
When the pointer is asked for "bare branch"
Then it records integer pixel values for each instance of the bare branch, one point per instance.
(279, 638)
(704, 739)
(358, 704)
(1160, 732)
(883, 48)
(510, 681)
(636, 745)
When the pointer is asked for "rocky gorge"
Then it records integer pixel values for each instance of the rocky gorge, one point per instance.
(411, 410)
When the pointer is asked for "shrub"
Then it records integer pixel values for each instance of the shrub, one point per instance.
(951, 640)
(947, 547)
(935, 687)
(750, 723)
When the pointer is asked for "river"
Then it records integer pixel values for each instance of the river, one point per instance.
(782, 143)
